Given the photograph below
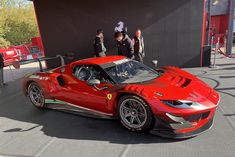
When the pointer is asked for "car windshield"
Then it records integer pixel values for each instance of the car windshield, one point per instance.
(131, 72)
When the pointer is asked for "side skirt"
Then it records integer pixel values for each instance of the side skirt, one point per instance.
(74, 109)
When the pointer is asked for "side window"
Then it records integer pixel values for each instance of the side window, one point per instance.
(82, 73)
(85, 73)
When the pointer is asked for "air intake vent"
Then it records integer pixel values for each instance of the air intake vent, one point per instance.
(197, 117)
(186, 83)
(60, 80)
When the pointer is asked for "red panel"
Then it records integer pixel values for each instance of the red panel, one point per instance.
(37, 41)
(220, 24)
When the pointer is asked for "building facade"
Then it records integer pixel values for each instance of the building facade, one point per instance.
(173, 30)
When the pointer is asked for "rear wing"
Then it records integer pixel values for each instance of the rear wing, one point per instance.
(40, 60)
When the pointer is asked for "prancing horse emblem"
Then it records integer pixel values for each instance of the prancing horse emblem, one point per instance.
(109, 96)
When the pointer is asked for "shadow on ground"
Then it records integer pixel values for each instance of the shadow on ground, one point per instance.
(63, 125)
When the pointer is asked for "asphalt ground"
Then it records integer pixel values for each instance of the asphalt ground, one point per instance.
(26, 131)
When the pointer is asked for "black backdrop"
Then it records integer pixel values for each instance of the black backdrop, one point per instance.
(172, 29)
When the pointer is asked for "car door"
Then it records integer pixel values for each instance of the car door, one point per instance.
(79, 93)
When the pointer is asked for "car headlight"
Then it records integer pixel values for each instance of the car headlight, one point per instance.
(183, 104)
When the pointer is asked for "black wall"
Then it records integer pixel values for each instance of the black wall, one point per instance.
(172, 28)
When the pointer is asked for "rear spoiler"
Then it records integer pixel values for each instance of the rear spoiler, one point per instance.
(39, 60)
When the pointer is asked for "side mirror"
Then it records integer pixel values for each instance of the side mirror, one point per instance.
(93, 82)
(154, 62)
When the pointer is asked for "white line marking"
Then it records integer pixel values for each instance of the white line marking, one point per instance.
(230, 121)
(45, 147)
(125, 151)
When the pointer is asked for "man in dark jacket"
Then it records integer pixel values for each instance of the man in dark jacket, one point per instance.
(138, 42)
(1, 70)
(124, 45)
(99, 47)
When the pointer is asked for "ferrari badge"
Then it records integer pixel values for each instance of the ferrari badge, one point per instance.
(109, 96)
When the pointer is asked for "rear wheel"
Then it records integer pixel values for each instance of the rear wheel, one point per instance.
(36, 95)
(134, 113)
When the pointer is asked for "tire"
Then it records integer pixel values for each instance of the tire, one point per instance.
(36, 95)
(134, 113)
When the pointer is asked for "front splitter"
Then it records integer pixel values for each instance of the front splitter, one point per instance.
(164, 129)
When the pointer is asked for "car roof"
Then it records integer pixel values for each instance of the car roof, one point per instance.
(99, 60)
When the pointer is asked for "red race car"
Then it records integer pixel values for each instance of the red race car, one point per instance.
(167, 101)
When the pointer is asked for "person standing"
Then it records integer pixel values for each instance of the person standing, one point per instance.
(1, 70)
(99, 47)
(124, 45)
(138, 42)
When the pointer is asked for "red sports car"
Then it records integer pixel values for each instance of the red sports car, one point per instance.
(167, 101)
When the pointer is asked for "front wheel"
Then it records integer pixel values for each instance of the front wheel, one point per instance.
(134, 113)
(36, 95)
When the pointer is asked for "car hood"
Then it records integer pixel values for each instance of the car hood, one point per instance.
(173, 86)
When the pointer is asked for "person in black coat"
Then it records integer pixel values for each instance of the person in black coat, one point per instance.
(99, 47)
(124, 45)
(1, 70)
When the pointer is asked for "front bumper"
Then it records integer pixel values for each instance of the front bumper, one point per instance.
(169, 130)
